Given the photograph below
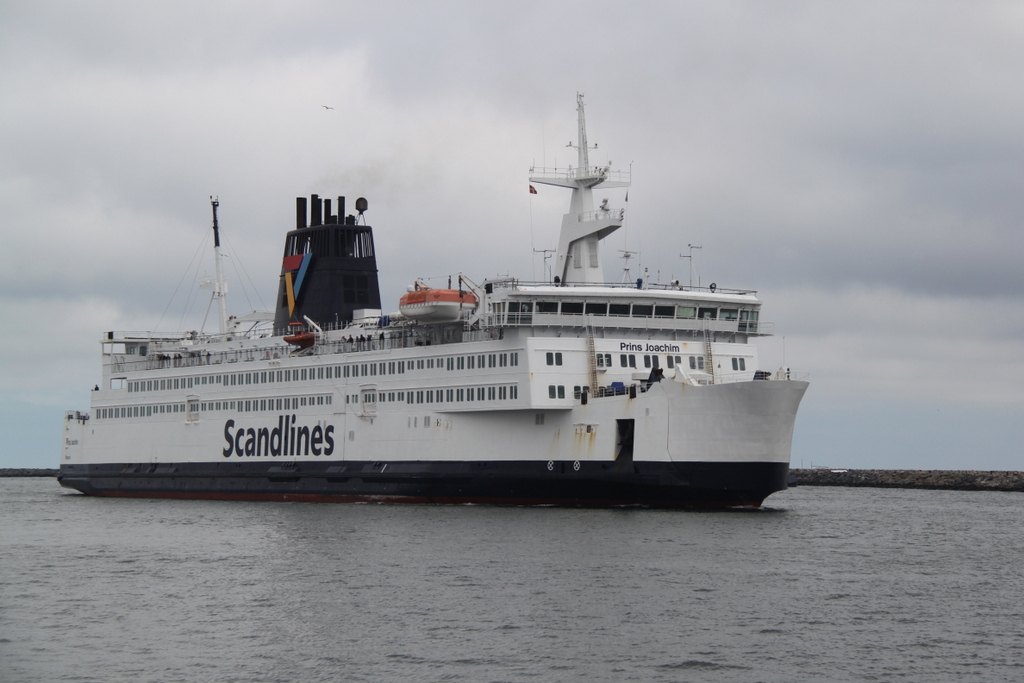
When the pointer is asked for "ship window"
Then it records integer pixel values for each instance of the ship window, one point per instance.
(558, 358)
(618, 309)
(459, 395)
(513, 391)
(430, 363)
(538, 418)
(664, 311)
(419, 364)
(470, 362)
(642, 310)
(547, 307)
(576, 391)
(502, 393)
(551, 391)
(572, 307)
(728, 314)
(686, 311)
(401, 367)
(670, 363)
(550, 358)
(600, 360)
(373, 369)
(647, 361)
(514, 357)
(330, 371)
(479, 393)
(492, 360)
(304, 376)
(693, 362)
(430, 396)
(597, 309)
(743, 364)
(448, 394)
(470, 394)
(481, 361)
(561, 391)
(707, 313)
(490, 393)
(735, 364)
(426, 421)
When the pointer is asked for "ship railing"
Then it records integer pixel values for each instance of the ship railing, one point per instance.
(620, 322)
(642, 386)
(396, 339)
(601, 215)
(571, 173)
(510, 283)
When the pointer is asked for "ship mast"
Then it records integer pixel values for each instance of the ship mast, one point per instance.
(583, 228)
(221, 289)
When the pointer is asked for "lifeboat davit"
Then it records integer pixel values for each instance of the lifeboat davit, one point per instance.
(437, 305)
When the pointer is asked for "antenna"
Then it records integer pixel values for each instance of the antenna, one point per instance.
(547, 254)
(626, 255)
(221, 289)
(690, 256)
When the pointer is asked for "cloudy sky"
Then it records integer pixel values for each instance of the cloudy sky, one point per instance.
(860, 164)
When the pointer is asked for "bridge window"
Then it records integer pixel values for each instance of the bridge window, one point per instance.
(572, 307)
(547, 307)
(597, 309)
(618, 309)
(664, 311)
(642, 311)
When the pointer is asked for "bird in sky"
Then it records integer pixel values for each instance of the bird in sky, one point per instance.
(326, 107)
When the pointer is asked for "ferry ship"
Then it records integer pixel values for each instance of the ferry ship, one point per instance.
(573, 391)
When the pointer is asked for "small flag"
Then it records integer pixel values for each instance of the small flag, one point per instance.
(627, 195)
(533, 190)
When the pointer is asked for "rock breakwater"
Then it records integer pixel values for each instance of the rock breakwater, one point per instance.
(27, 472)
(954, 480)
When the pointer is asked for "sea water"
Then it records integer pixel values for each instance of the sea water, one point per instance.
(821, 584)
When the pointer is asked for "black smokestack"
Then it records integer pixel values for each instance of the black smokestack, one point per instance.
(300, 213)
(316, 210)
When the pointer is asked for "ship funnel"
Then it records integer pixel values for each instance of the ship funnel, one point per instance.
(316, 210)
(300, 213)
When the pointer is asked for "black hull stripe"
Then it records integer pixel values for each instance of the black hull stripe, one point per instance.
(663, 485)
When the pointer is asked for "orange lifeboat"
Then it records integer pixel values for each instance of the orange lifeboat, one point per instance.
(302, 340)
(436, 305)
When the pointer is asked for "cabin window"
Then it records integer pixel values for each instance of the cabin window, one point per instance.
(627, 361)
(642, 310)
(514, 359)
(513, 391)
(547, 307)
(686, 311)
(538, 418)
(670, 363)
(707, 313)
(561, 391)
(551, 391)
(572, 307)
(597, 309)
(618, 309)
(728, 314)
(664, 311)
